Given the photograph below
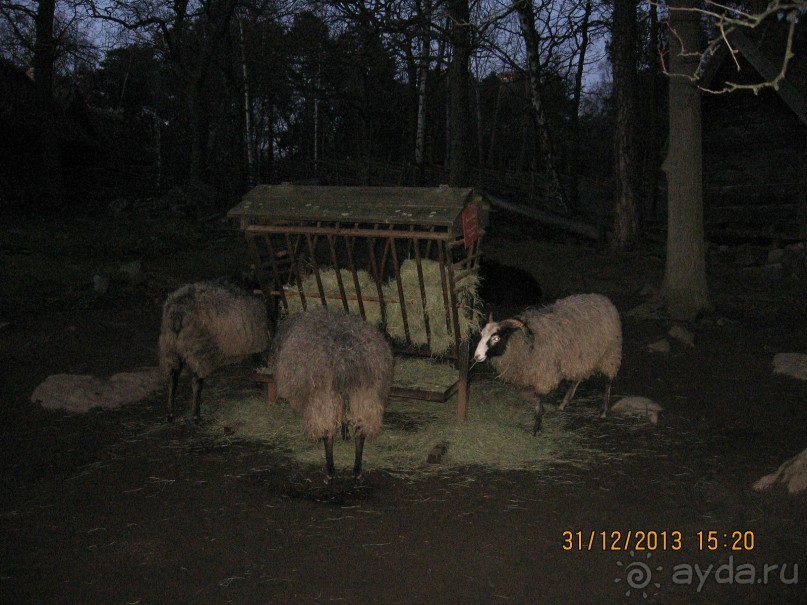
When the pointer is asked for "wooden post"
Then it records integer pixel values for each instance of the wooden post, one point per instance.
(462, 387)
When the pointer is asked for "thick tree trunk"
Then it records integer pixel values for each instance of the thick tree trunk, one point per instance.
(623, 45)
(684, 289)
(459, 87)
(546, 163)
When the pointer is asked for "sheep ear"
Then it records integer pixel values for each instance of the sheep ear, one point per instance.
(515, 324)
(490, 316)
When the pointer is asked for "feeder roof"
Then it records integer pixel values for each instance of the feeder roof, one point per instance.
(426, 206)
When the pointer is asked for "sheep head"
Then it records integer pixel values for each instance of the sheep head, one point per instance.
(494, 336)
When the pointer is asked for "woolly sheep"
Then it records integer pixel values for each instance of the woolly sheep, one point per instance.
(335, 370)
(504, 287)
(205, 326)
(572, 339)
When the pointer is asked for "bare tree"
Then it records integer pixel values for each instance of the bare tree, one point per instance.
(460, 87)
(623, 49)
(545, 154)
(684, 289)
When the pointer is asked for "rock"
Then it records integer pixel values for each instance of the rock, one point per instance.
(79, 393)
(132, 272)
(681, 334)
(118, 206)
(791, 364)
(637, 406)
(660, 346)
(131, 269)
(100, 284)
(775, 256)
(793, 473)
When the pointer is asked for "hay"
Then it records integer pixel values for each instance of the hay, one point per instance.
(497, 434)
(330, 285)
(424, 374)
(442, 335)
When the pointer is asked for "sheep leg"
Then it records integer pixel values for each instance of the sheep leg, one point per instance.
(539, 413)
(569, 394)
(359, 449)
(531, 395)
(198, 381)
(330, 471)
(606, 400)
(172, 390)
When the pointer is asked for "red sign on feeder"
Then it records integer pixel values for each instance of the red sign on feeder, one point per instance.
(470, 224)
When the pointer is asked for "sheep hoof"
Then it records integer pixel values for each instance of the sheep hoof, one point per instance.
(197, 419)
(359, 477)
(537, 428)
(170, 418)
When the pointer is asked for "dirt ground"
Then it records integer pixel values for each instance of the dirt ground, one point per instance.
(114, 506)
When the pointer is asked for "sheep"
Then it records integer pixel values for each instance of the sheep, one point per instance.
(507, 287)
(205, 326)
(335, 370)
(572, 339)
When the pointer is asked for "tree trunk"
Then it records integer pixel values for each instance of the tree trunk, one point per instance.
(684, 288)
(490, 161)
(50, 168)
(422, 79)
(623, 47)
(650, 169)
(544, 144)
(249, 139)
(459, 86)
(574, 163)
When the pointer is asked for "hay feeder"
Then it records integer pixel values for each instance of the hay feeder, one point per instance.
(403, 258)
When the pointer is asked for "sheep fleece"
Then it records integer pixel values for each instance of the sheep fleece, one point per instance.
(334, 369)
(208, 325)
(574, 338)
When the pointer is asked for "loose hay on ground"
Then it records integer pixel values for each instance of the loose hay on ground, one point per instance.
(497, 434)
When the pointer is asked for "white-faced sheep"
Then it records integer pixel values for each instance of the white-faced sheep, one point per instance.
(205, 326)
(572, 339)
(335, 370)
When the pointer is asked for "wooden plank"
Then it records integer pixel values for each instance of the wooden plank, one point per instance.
(428, 206)
(576, 227)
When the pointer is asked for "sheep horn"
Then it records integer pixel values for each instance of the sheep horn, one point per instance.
(516, 324)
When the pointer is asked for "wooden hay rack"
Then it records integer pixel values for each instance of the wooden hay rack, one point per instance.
(403, 258)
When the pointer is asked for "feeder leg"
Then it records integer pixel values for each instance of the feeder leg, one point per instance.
(359, 449)
(198, 381)
(569, 394)
(330, 471)
(172, 390)
(462, 387)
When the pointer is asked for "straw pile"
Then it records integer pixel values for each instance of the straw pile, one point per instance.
(439, 338)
